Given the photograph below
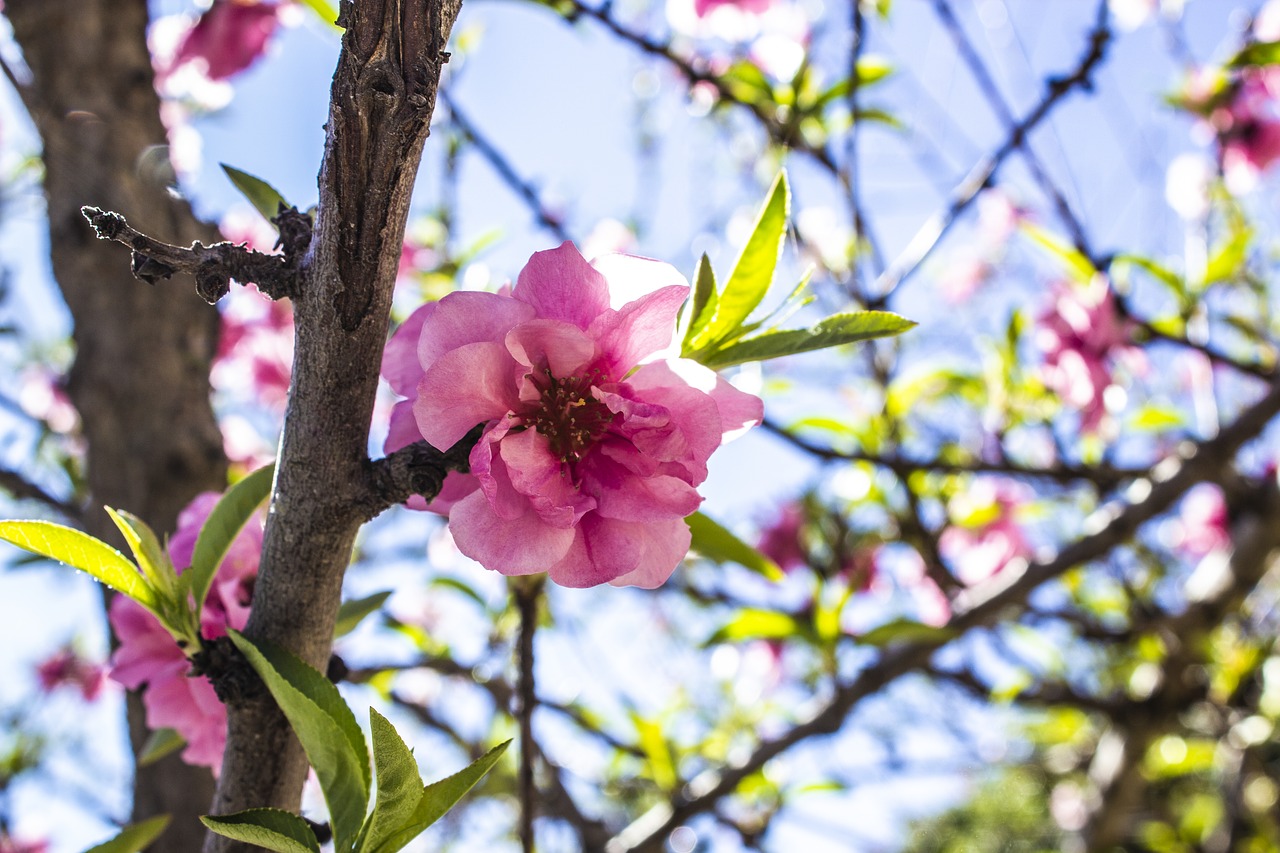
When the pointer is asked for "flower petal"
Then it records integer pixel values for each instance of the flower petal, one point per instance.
(602, 549)
(561, 285)
(543, 479)
(400, 365)
(664, 546)
(466, 386)
(467, 317)
(624, 496)
(518, 546)
(640, 329)
(631, 277)
(402, 429)
(561, 347)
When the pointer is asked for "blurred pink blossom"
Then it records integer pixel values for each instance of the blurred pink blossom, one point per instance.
(148, 655)
(931, 604)
(702, 8)
(43, 397)
(1202, 526)
(781, 541)
(255, 351)
(9, 844)
(992, 539)
(1248, 129)
(591, 452)
(1081, 335)
(229, 37)
(66, 667)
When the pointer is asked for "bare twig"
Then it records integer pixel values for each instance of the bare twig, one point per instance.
(416, 469)
(527, 592)
(23, 489)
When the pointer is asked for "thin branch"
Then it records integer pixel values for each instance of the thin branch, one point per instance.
(1105, 477)
(415, 469)
(212, 266)
(23, 489)
(527, 592)
(527, 191)
(979, 177)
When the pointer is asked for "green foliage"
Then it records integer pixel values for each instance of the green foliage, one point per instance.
(336, 748)
(1009, 813)
(160, 742)
(265, 198)
(273, 829)
(134, 837)
(906, 631)
(352, 613)
(718, 544)
(719, 335)
(222, 527)
(1258, 53)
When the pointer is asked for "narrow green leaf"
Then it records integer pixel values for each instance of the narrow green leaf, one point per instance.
(325, 727)
(1158, 271)
(148, 551)
(833, 331)
(325, 11)
(81, 551)
(1079, 267)
(460, 588)
(1258, 53)
(705, 296)
(718, 544)
(399, 786)
(1229, 256)
(753, 273)
(265, 198)
(134, 837)
(221, 529)
(439, 797)
(905, 631)
(755, 624)
(352, 613)
(274, 829)
(160, 743)
(662, 764)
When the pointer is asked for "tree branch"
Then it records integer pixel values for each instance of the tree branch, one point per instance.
(416, 469)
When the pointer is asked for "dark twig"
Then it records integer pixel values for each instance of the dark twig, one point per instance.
(23, 489)
(527, 592)
(416, 469)
(979, 177)
(1103, 476)
(212, 266)
(1261, 371)
(528, 193)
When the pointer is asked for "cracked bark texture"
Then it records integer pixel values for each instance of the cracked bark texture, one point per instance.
(141, 374)
(382, 97)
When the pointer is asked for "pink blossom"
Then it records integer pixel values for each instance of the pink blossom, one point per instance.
(44, 397)
(590, 453)
(1081, 333)
(1202, 525)
(9, 844)
(255, 351)
(781, 541)
(66, 667)
(229, 37)
(702, 8)
(931, 603)
(991, 538)
(148, 656)
(1248, 128)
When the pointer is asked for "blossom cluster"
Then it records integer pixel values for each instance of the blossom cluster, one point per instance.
(592, 446)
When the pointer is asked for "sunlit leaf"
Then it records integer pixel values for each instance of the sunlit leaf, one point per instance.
(752, 624)
(134, 837)
(274, 829)
(1074, 263)
(325, 727)
(222, 527)
(905, 631)
(325, 11)
(147, 550)
(662, 765)
(399, 786)
(718, 544)
(1258, 53)
(439, 797)
(83, 552)
(703, 304)
(352, 613)
(835, 330)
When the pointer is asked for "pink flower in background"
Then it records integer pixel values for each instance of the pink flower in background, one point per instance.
(43, 396)
(148, 655)
(1248, 129)
(1202, 525)
(590, 454)
(931, 603)
(229, 37)
(9, 844)
(986, 545)
(1081, 334)
(67, 668)
(255, 351)
(702, 8)
(780, 541)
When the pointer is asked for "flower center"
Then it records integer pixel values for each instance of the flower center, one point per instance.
(567, 414)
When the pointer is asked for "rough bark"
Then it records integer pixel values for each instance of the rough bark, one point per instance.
(141, 374)
(382, 97)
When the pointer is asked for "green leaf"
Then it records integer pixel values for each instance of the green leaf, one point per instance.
(755, 624)
(82, 551)
(325, 11)
(1228, 256)
(705, 296)
(460, 588)
(833, 331)
(1161, 273)
(325, 727)
(662, 764)
(753, 273)
(274, 829)
(160, 743)
(1258, 53)
(906, 631)
(134, 837)
(719, 545)
(399, 786)
(265, 198)
(147, 550)
(352, 613)
(439, 797)
(1077, 266)
(221, 529)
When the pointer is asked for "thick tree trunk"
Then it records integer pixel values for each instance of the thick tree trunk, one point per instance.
(141, 375)
(382, 97)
